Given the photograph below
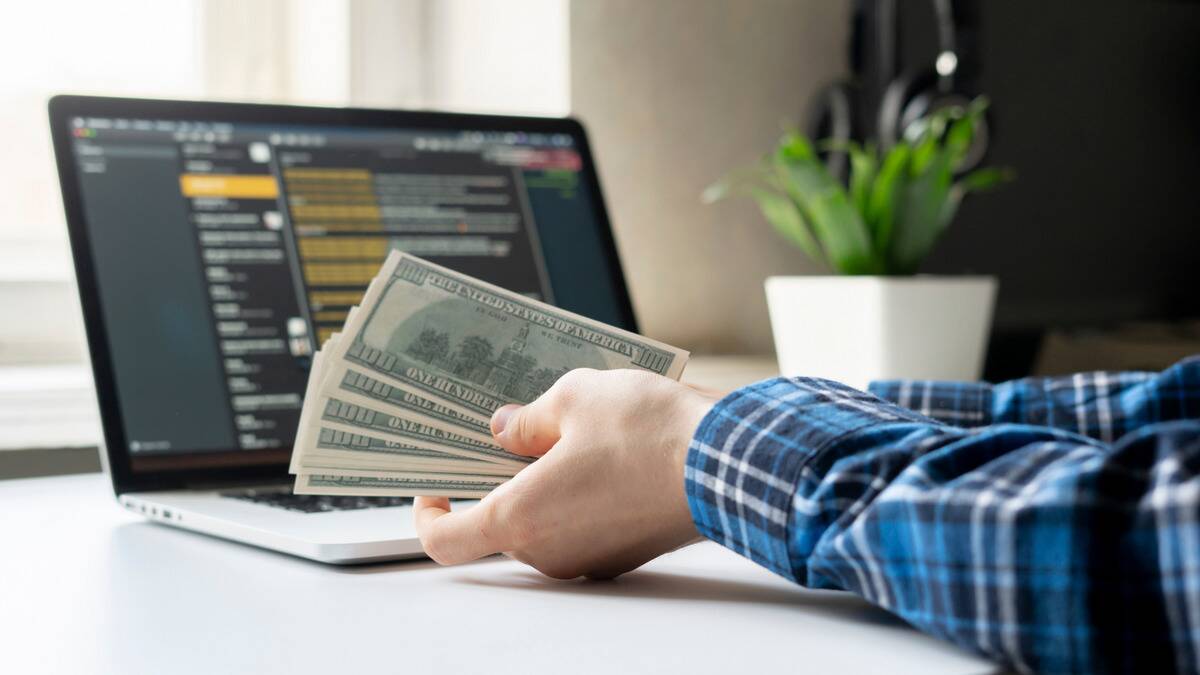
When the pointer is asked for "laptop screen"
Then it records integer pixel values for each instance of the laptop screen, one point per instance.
(224, 253)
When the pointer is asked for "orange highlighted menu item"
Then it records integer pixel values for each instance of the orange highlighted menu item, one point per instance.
(228, 186)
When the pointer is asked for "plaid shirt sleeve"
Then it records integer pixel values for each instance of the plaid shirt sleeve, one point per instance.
(1043, 548)
(1099, 405)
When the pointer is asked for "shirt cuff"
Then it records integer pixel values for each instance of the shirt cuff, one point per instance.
(747, 467)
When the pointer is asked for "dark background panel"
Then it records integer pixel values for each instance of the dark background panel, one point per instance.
(1094, 104)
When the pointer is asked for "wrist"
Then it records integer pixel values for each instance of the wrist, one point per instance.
(691, 413)
(685, 421)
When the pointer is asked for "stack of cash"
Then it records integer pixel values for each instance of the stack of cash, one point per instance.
(399, 402)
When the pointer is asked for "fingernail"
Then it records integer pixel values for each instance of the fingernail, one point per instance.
(500, 418)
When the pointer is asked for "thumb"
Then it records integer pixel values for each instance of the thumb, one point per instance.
(529, 430)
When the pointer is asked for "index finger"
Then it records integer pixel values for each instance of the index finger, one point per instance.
(452, 537)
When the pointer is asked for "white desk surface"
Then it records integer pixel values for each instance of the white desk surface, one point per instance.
(87, 588)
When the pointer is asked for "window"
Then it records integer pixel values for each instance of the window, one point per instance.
(455, 54)
(54, 47)
(473, 55)
(97, 50)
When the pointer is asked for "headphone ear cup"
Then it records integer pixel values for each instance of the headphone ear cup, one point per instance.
(833, 116)
(928, 103)
(905, 95)
(910, 99)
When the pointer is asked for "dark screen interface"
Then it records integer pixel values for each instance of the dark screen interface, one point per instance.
(225, 253)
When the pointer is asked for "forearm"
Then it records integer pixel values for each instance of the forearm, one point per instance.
(1028, 545)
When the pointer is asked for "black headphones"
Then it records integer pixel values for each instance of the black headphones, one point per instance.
(837, 113)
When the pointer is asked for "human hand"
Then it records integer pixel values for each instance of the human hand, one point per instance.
(607, 494)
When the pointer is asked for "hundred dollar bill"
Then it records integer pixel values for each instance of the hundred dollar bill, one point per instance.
(342, 457)
(335, 452)
(335, 465)
(448, 474)
(414, 486)
(305, 429)
(340, 449)
(473, 346)
(338, 415)
(357, 387)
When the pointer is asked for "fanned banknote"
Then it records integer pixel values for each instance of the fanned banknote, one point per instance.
(399, 402)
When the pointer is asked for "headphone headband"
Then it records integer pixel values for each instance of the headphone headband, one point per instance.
(946, 63)
(904, 98)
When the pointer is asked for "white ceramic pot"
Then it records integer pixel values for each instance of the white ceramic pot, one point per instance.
(859, 329)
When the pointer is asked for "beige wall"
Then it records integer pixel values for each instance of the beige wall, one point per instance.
(674, 93)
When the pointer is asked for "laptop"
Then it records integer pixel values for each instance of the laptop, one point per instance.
(216, 245)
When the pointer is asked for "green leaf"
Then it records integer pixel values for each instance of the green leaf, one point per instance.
(920, 218)
(796, 147)
(977, 106)
(823, 203)
(785, 217)
(959, 137)
(986, 178)
(923, 155)
(862, 175)
(884, 199)
(950, 207)
(738, 183)
(863, 165)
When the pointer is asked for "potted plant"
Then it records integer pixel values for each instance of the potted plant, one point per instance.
(878, 319)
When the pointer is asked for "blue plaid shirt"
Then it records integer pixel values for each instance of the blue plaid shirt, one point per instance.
(1048, 524)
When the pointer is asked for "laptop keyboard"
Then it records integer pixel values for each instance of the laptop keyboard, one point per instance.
(315, 503)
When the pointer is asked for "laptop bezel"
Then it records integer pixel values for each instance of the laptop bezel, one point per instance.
(63, 108)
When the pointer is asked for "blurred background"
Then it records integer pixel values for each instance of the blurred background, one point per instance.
(1093, 105)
